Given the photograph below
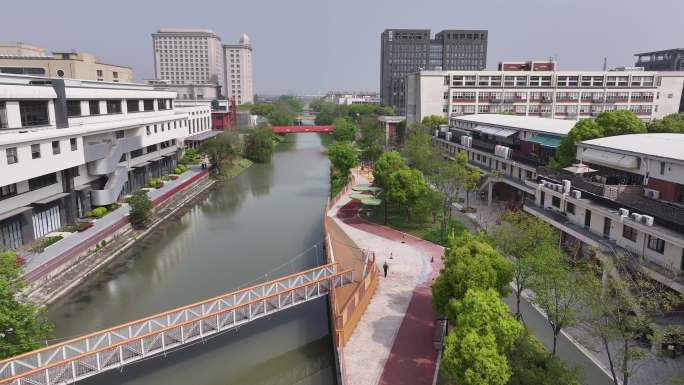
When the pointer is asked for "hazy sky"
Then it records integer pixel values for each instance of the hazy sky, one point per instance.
(311, 46)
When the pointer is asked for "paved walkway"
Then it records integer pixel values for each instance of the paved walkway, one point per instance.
(110, 222)
(392, 344)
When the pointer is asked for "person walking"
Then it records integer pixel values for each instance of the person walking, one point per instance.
(385, 266)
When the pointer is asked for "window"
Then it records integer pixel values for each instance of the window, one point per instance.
(136, 153)
(34, 113)
(94, 107)
(555, 201)
(570, 208)
(151, 149)
(55, 147)
(74, 144)
(132, 105)
(11, 155)
(73, 108)
(148, 105)
(8, 191)
(35, 151)
(662, 168)
(42, 181)
(115, 75)
(3, 115)
(147, 129)
(656, 244)
(119, 134)
(99, 73)
(113, 106)
(629, 233)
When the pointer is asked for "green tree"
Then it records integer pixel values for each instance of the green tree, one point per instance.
(434, 121)
(343, 157)
(673, 123)
(428, 206)
(620, 122)
(22, 325)
(532, 365)
(140, 215)
(470, 263)
(471, 181)
(420, 153)
(280, 117)
(484, 332)
(372, 142)
(345, 130)
(448, 180)
(259, 144)
(386, 164)
(291, 103)
(405, 187)
(557, 289)
(261, 109)
(521, 235)
(221, 148)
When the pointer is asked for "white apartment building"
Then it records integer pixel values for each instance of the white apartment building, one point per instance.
(552, 94)
(237, 60)
(69, 145)
(190, 61)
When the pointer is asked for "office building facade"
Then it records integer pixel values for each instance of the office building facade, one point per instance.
(405, 51)
(190, 61)
(551, 94)
(237, 59)
(666, 60)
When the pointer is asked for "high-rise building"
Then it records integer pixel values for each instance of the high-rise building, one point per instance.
(404, 51)
(552, 94)
(190, 61)
(666, 60)
(237, 60)
(23, 59)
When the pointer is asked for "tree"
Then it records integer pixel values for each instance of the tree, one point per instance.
(259, 144)
(673, 123)
(345, 130)
(621, 309)
(280, 117)
(292, 104)
(221, 148)
(22, 325)
(419, 152)
(608, 123)
(405, 187)
(470, 263)
(261, 109)
(475, 351)
(343, 157)
(448, 180)
(386, 164)
(372, 142)
(532, 365)
(520, 236)
(140, 214)
(557, 289)
(434, 121)
(429, 205)
(471, 181)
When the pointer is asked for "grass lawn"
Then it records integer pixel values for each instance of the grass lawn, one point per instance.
(429, 231)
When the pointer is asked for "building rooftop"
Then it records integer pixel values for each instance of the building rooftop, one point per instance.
(660, 52)
(670, 146)
(529, 123)
(185, 30)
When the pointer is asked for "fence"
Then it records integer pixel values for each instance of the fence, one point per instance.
(350, 313)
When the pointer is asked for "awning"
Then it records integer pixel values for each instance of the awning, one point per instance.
(141, 165)
(51, 198)
(83, 187)
(609, 159)
(545, 140)
(203, 135)
(156, 159)
(505, 133)
(11, 213)
(501, 132)
(579, 168)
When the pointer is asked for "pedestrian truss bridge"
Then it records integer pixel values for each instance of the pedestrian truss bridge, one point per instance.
(120, 345)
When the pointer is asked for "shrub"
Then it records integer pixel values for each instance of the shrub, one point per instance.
(98, 212)
(141, 209)
(88, 214)
(113, 206)
(83, 226)
(155, 182)
(44, 243)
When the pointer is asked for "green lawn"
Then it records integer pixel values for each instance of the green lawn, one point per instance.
(428, 230)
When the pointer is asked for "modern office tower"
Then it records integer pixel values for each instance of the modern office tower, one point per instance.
(666, 60)
(19, 58)
(405, 51)
(237, 59)
(69, 145)
(189, 61)
(552, 94)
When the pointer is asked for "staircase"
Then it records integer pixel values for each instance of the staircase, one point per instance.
(107, 164)
(112, 189)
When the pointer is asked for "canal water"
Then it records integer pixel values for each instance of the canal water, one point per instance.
(267, 220)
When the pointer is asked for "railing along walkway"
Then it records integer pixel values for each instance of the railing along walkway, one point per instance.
(112, 348)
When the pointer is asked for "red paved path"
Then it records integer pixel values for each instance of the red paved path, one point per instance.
(413, 358)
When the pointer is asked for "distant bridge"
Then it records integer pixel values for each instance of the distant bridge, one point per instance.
(295, 129)
(120, 345)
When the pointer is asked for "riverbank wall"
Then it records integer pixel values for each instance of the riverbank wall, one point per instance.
(65, 272)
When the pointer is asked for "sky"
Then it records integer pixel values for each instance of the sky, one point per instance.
(312, 46)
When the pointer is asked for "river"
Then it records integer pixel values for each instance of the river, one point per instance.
(268, 219)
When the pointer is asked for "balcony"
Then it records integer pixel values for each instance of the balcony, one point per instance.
(463, 100)
(484, 145)
(614, 99)
(525, 158)
(546, 100)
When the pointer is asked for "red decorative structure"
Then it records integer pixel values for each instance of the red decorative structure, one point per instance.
(225, 120)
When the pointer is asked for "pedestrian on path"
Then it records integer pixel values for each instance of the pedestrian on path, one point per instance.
(385, 266)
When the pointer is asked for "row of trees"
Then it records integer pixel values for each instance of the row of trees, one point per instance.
(327, 112)
(611, 123)
(282, 112)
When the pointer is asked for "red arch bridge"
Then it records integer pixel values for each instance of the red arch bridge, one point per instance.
(296, 129)
(120, 345)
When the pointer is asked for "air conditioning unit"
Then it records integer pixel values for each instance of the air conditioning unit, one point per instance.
(448, 136)
(566, 185)
(623, 217)
(651, 193)
(647, 220)
(636, 217)
(502, 151)
(436, 133)
(559, 188)
(543, 184)
(443, 127)
(623, 212)
(466, 141)
(577, 194)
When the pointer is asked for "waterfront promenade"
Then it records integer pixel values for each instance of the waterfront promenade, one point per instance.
(392, 343)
